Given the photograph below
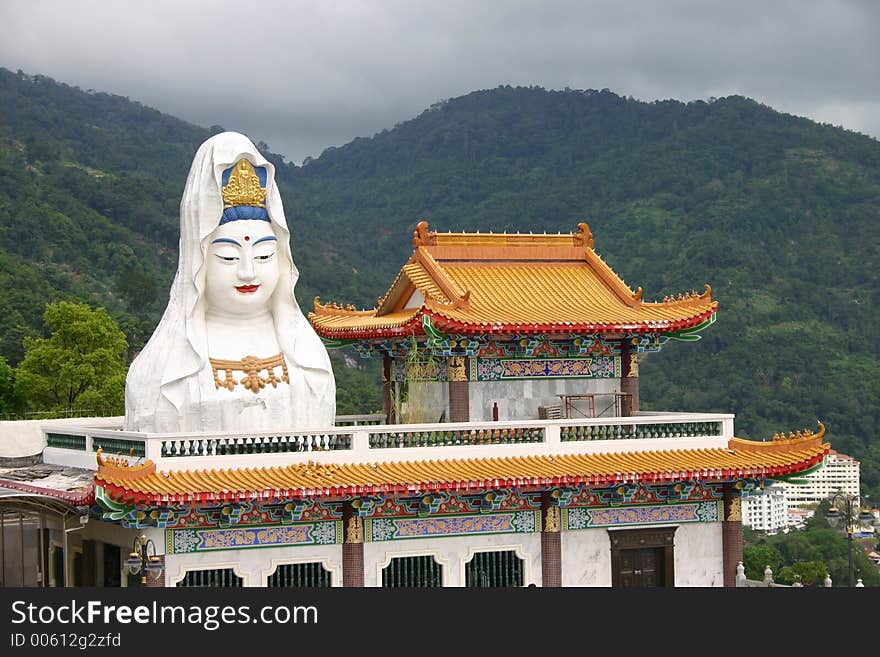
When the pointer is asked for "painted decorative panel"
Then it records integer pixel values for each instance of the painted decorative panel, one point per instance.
(182, 541)
(388, 529)
(586, 518)
(444, 503)
(506, 369)
(643, 494)
(516, 346)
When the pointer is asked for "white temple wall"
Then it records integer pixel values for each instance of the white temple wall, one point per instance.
(254, 565)
(586, 556)
(699, 555)
(452, 553)
(519, 400)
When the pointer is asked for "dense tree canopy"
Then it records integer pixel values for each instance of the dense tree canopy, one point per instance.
(81, 365)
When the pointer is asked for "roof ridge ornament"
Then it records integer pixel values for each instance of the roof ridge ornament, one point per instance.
(584, 236)
(422, 236)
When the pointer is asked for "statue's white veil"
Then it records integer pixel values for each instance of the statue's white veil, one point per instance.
(166, 380)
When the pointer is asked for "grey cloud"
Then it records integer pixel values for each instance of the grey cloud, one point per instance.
(310, 74)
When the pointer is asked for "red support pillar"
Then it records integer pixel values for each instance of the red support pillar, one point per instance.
(387, 390)
(459, 395)
(731, 534)
(551, 543)
(629, 379)
(352, 547)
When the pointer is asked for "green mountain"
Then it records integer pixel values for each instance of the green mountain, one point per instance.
(776, 212)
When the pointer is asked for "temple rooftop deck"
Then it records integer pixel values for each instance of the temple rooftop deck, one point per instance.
(76, 446)
(738, 459)
(653, 448)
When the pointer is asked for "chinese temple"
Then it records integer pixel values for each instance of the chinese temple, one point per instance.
(505, 326)
(593, 497)
(529, 461)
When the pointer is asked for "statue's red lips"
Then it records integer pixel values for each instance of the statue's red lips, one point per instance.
(246, 289)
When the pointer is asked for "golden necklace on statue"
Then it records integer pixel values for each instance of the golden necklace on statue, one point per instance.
(251, 366)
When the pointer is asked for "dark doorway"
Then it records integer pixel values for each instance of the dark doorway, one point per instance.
(642, 558)
(57, 566)
(112, 565)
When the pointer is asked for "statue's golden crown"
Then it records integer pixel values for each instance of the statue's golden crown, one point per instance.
(243, 187)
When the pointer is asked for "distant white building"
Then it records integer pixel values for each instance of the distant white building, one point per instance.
(840, 473)
(766, 509)
(782, 504)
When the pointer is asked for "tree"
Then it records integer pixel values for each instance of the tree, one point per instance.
(8, 400)
(808, 573)
(82, 362)
(757, 557)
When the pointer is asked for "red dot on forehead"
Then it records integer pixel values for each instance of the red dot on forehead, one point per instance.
(247, 238)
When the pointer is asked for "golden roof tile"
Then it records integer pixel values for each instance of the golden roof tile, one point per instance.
(740, 459)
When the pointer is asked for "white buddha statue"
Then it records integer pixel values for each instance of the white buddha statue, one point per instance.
(233, 351)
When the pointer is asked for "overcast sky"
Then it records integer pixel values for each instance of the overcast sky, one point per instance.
(303, 75)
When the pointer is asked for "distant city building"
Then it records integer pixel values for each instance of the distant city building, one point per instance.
(786, 504)
(840, 473)
(766, 509)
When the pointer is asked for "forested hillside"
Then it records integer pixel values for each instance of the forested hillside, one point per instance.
(777, 213)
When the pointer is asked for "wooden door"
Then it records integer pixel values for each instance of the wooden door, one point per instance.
(642, 558)
(642, 568)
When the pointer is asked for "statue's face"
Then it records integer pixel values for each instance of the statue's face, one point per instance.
(241, 271)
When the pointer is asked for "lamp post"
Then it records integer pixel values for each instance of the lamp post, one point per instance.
(845, 506)
(143, 558)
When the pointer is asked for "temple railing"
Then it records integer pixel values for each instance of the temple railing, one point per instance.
(254, 444)
(621, 430)
(461, 436)
(364, 442)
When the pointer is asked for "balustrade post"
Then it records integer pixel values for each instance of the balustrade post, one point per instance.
(360, 442)
(153, 449)
(727, 428)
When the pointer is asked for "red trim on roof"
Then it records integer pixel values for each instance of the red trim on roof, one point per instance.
(452, 326)
(74, 497)
(135, 497)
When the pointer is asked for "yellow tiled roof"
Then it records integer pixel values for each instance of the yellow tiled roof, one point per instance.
(741, 459)
(474, 282)
(551, 293)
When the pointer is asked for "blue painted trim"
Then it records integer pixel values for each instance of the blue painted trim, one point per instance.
(244, 212)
